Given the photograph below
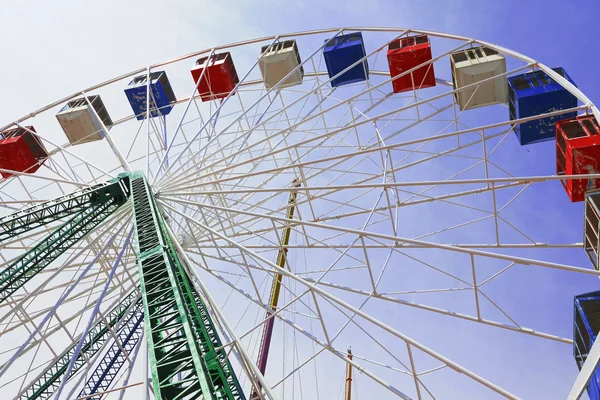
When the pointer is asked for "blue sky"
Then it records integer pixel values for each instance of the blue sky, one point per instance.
(72, 44)
(52, 50)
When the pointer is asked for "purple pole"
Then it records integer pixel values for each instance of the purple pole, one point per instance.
(263, 355)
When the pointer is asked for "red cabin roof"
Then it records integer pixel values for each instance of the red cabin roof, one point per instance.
(578, 153)
(21, 151)
(219, 79)
(407, 53)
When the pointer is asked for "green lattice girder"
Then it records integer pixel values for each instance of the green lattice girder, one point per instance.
(53, 245)
(216, 363)
(45, 384)
(33, 217)
(180, 334)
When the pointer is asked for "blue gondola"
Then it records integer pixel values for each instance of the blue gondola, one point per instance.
(161, 93)
(340, 53)
(535, 93)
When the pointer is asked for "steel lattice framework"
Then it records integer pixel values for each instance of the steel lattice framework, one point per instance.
(52, 246)
(188, 360)
(48, 382)
(20, 222)
(116, 356)
(409, 225)
(184, 361)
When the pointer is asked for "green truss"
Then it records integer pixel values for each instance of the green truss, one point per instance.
(186, 354)
(53, 245)
(180, 333)
(49, 211)
(216, 362)
(44, 386)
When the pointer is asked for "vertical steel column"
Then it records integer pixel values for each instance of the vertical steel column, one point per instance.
(265, 343)
(349, 377)
(180, 335)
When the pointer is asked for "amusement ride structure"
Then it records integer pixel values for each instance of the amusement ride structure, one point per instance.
(426, 199)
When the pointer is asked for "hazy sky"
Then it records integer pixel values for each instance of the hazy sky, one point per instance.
(72, 44)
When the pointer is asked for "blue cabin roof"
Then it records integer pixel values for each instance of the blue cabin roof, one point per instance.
(161, 92)
(537, 82)
(341, 52)
(535, 93)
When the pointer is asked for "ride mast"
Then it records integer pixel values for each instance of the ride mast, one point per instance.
(265, 343)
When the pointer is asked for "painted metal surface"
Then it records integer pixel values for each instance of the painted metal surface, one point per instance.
(21, 151)
(535, 244)
(578, 153)
(80, 123)
(588, 369)
(348, 384)
(52, 246)
(407, 53)
(474, 65)
(535, 93)
(46, 383)
(278, 61)
(182, 340)
(592, 227)
(219, 79)
(162, 97)
(87, 208)
(187, 354)
(586, 326)
(340, 53)
(35, 216)
(114, 358)
(265, 343)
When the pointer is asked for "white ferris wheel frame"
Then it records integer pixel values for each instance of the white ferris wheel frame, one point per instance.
(168, 191)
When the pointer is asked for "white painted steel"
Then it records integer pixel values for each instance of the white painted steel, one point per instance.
(368, 162)
(589, 367)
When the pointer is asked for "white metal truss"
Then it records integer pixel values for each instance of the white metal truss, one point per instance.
(415, 236)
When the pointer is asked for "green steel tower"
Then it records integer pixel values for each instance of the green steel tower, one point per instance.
(187, 359)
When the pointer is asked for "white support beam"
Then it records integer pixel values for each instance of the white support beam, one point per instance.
(591, 363)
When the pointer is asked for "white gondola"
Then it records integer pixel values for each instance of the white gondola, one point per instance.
(281, 59)
(81, 123)
(474, 65)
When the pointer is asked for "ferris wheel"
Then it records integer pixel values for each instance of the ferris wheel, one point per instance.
(426, 200)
